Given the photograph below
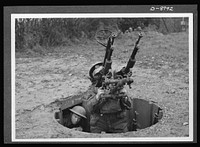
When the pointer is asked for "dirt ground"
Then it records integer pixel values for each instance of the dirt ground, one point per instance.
(161, 74)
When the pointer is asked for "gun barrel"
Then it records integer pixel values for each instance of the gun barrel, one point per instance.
(129, 65)
(107, 62)
(108, 53)
(132, 60)
(135, 50)
(107, 66)
(136, 47)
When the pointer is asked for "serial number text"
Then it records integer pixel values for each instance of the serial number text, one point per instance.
(162, 8)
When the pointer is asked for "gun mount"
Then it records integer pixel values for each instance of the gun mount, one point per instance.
(101, 71)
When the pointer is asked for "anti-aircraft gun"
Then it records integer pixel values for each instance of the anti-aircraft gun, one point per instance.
(142, 115)
(101, 71)
(112, 83)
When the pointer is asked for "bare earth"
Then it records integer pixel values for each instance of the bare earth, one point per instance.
(161, 74)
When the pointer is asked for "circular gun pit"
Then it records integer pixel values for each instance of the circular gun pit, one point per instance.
(143, 113)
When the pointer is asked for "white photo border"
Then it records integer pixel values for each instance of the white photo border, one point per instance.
(103, 15)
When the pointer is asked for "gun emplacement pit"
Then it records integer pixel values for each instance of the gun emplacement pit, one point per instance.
(143, 113)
